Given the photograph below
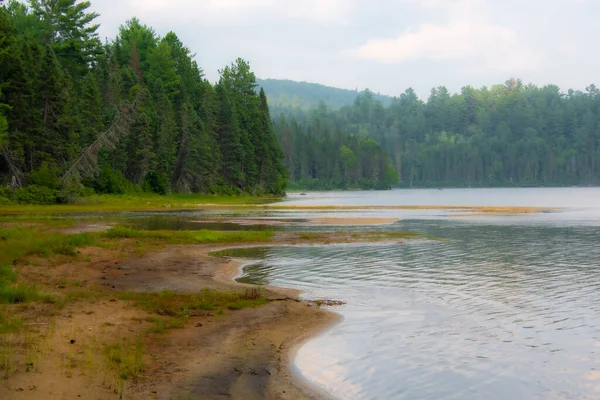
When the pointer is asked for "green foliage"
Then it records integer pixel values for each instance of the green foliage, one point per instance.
(506, 135)
(46, 175)
(110, 181)
(35, 194)
(158, 182)
(133, 115)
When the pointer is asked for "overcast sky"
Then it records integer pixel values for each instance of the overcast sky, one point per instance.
(384, 45)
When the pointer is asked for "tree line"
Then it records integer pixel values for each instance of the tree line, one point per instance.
(133, 114)
(505, 135)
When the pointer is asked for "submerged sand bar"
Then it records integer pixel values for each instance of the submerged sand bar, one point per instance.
(477, 209)
(464, 209)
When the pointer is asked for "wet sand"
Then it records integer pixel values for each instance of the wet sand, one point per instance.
(245, 355)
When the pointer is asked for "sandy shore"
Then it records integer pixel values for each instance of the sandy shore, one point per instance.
(245, 354)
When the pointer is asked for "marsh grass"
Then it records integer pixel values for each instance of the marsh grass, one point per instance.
(182, 306)
(18, 243)
(126, 360)
(9, 323)
(181, 237)
(137, 202)
(7, 357)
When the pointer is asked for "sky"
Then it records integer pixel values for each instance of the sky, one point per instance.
(384, 45)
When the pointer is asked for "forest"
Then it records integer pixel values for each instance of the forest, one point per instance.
(137, 115)
(509, 134)
(134, 114)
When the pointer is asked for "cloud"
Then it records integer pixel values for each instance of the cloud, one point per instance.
(466, 36)
(228, 12)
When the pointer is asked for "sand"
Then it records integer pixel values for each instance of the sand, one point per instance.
(245, 354)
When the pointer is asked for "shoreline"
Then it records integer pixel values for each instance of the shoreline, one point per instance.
(170, 301)
(240, 353)
(268, 337)
(229, 273)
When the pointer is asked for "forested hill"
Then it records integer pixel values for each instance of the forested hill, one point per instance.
(509, 134)
(136, 114)
(287, 95)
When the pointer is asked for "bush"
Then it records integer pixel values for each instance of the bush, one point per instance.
(157, 182)
(35, 194)
(5, 195)
(46, 175)
(110, 181)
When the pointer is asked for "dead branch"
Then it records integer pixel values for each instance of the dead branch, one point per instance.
(87, 163)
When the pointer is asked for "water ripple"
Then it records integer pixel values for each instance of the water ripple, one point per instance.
(499, 311)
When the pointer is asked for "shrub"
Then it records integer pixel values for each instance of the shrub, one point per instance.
(5, 195)
(46, 175)
(35, 194)
(110, 181)
(158, 182)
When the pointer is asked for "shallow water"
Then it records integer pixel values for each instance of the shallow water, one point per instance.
(505, 307)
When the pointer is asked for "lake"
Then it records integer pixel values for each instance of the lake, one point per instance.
(494, 307)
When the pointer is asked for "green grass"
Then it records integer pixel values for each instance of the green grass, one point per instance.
(20, 242)
(201, 236)
(162, 325)
(126, 360)
(104, 203)
(9, 324)
(16, 243)
(181, 306)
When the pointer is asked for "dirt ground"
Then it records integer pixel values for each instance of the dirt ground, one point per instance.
(244, 354)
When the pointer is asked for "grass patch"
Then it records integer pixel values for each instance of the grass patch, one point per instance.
(9, 323)
(126, 360)
(162, 325)
(22, 293)
(107, 203)
(18, 243)
(182, 306)
(21, 242)
(179, 237)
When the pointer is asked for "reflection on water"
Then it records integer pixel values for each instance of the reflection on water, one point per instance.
(499, 311)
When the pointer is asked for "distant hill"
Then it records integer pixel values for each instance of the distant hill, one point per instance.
(288, 94)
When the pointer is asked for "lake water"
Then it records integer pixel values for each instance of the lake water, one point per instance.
(501, 307)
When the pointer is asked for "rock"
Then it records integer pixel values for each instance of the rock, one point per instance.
(199, 324)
